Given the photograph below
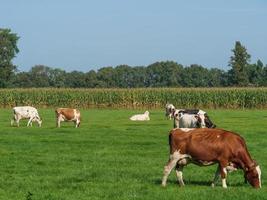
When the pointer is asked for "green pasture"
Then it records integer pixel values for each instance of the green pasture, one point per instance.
(110, 157)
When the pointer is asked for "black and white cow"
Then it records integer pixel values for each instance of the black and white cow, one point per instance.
(192, 118)
(169, 109)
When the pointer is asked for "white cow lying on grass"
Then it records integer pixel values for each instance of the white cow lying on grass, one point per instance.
(26, 112)
(141, 117)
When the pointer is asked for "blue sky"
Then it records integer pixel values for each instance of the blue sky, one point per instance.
(83, 35)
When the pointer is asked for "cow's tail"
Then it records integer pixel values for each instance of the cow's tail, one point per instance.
(80, 116)
(78, 113)
(13, 119)
(171, 140)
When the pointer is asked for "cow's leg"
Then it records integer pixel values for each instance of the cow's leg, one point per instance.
(179, 174)
(77, 123)
(30, 122)
(175, 123)
(170, 165)
(12, 120)
(167, 169)
(216, 176)
(17, 120)
(223, 172)
(58, 122)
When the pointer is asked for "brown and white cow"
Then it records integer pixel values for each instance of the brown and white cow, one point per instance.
(68, 114)
(205, 147)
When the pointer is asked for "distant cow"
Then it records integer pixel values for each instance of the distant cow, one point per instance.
(205, 147)
(169, 109)
(186, 118)
(141, 117)
(26, 112)
(68, 114)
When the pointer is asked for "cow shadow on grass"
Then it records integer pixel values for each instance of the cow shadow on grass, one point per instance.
(201, 183)
(142, 124)
(175, 182)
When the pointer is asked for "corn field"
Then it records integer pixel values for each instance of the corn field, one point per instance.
(136, 98)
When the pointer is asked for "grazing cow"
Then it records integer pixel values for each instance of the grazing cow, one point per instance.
(185, 118)
(141, 117)
(68, 114)
(205, 147)
(26, 112)
(169, 108)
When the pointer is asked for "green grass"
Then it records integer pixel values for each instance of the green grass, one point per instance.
(110, 157)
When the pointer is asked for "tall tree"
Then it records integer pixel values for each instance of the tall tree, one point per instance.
(57, 77)
(105, 76)
(123, 76)
(195, 76)
(91, 79)
(255, 73)
(39, 76)
(75, 79)
(164, 74)
(8, 50)
(239, 63)
(22, 80)
(264, 76)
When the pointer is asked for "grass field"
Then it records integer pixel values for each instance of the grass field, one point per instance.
(110, 157)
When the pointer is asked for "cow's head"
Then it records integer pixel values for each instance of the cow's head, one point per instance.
(200, 121)
(253, 175)
(208, 122)
(146, 113)
(169, 110)
(177, 114)
(38, 120)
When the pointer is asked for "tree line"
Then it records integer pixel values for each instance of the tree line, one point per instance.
(158, 74)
